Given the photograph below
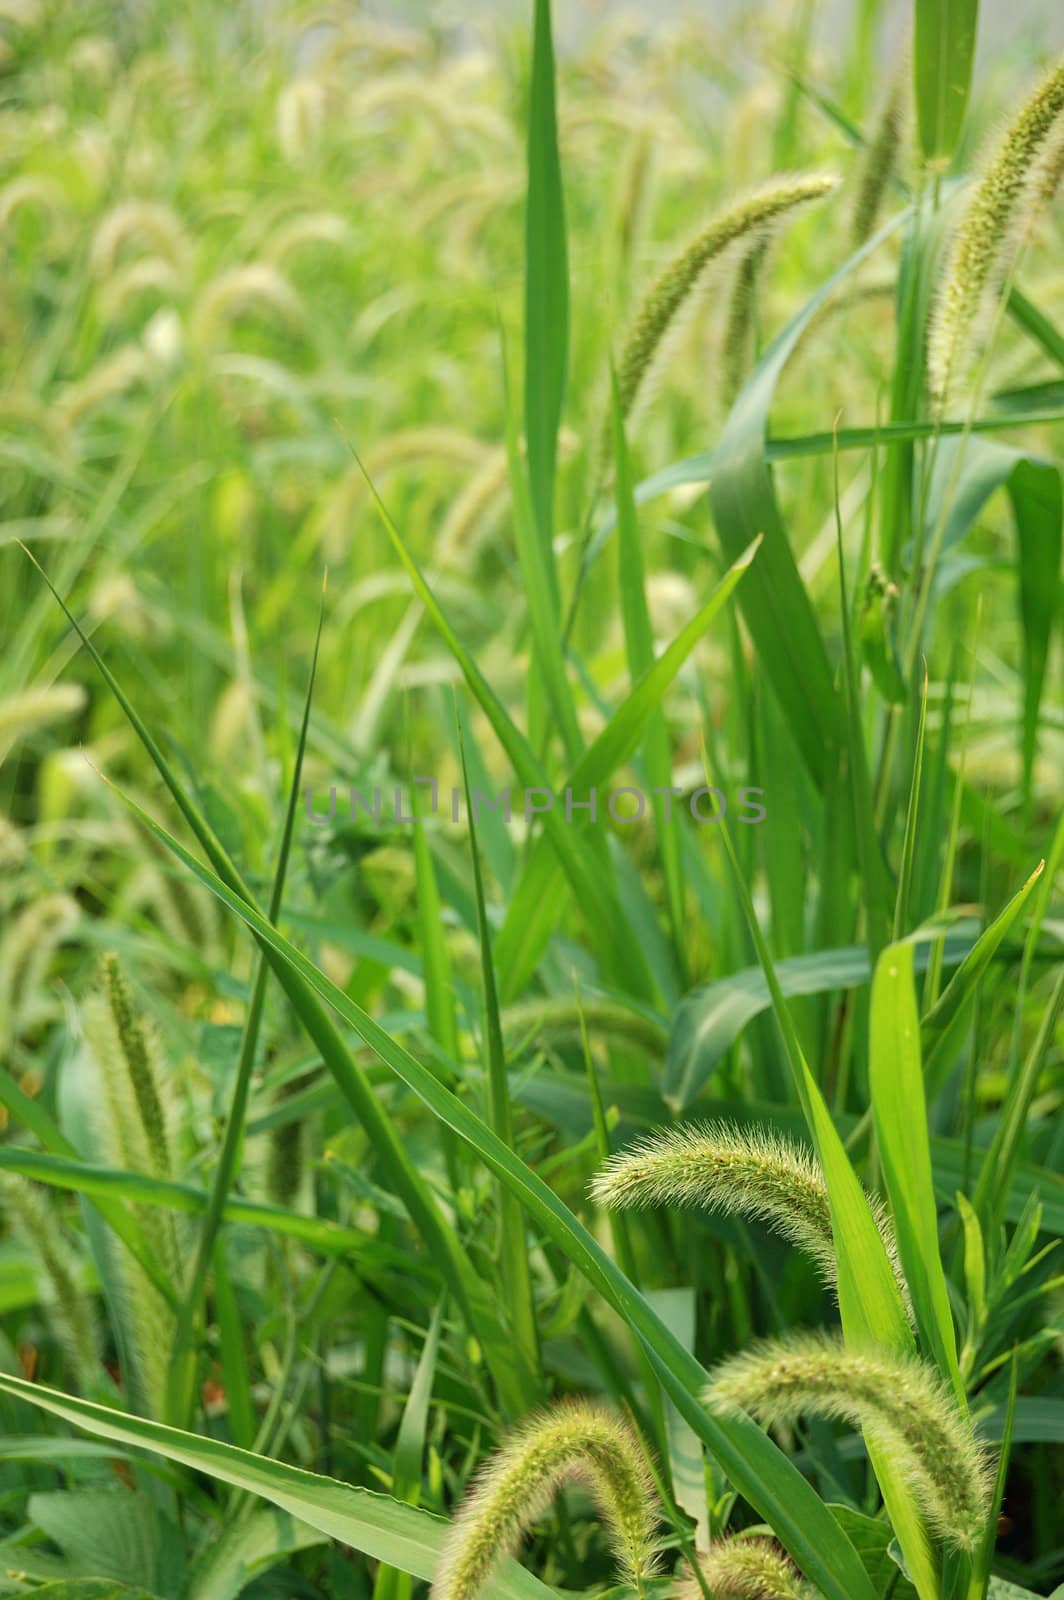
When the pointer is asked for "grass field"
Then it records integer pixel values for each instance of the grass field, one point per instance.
(531, 843)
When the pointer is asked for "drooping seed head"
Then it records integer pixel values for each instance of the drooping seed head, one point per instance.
(995, 225)
(745, 1569)
(746, 1172)
(570, 1441)
(673, 289)
(899, 1400)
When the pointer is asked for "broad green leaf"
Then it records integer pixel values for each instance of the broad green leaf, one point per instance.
(113, 1533)
(246, 1548)
(896, 1081)
(709, 1019)
(943, 52)
(380, 1527)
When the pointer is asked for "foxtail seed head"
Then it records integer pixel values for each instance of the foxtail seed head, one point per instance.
(673, 289)
(745, 1569)
(899, 1399)
(880, 160)
(745, 1172)
(992, 232)
(574, 1440)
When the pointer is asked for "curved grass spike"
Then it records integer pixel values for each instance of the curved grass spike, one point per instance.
(574, 1440)
(133, 1043)
(745, 1569)
(674, 287)
(899, 1398)
(880, 161)
(749, 1172)
(992, 231)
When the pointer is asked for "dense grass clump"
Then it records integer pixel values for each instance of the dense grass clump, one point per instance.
(531, 983)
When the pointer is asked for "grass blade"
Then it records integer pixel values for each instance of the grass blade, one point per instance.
(896, 1081)
(382, 1528)
(546, 283)
(943, 52)
(531, 916)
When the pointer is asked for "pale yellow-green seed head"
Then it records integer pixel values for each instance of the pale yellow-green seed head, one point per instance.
(741, 1568)
(675, 286)
(991, 234)
(746, 1172)
(900, 1400)
(571, 1441)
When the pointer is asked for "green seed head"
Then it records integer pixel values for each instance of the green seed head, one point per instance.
(880, 162)
(137, 1060)
(676, 285)
(995, 225)
(745, 1569)
(899, 1400)
(744, 1172)
(571, 1441)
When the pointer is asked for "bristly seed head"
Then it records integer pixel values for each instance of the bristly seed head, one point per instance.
(741, 1568)
(574, 1440)
(996, 223)
(746, 1172)
(899, 1400)
(673, 288)
(880, 160)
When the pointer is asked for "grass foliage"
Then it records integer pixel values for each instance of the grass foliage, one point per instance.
(609, 1188)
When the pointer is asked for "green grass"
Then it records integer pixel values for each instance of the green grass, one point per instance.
(298, 1219)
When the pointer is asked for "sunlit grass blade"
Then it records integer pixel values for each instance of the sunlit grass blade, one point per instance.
(896, 1081)
(755, 1466)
